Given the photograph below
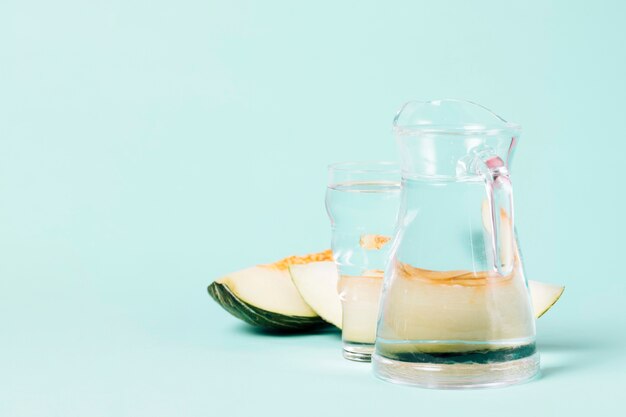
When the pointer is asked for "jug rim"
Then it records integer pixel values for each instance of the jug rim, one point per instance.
(428, 128)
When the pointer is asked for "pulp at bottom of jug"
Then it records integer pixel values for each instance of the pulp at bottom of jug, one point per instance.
(455, 352)
(465, 369)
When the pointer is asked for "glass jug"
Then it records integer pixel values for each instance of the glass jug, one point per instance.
(455, 310)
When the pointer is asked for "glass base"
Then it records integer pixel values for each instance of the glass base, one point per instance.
(461, 375)
(359, 352)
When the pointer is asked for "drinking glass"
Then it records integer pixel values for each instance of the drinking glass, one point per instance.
(362, 200)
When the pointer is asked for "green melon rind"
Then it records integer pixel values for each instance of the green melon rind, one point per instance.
(259, 317)
(553, 303)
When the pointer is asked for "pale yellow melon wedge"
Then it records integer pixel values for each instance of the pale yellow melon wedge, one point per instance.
(265, 295)
(544, 296)
(317, 284)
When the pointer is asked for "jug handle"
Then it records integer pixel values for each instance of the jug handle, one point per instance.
(499, 212)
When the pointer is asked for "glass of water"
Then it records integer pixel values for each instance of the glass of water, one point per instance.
(362, 200)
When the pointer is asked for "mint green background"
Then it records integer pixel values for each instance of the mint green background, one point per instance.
(148, 147)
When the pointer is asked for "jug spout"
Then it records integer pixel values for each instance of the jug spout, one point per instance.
(440, 138)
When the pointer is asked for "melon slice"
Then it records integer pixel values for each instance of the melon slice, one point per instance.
(265, 295)
(317, 284)
(544, 296)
